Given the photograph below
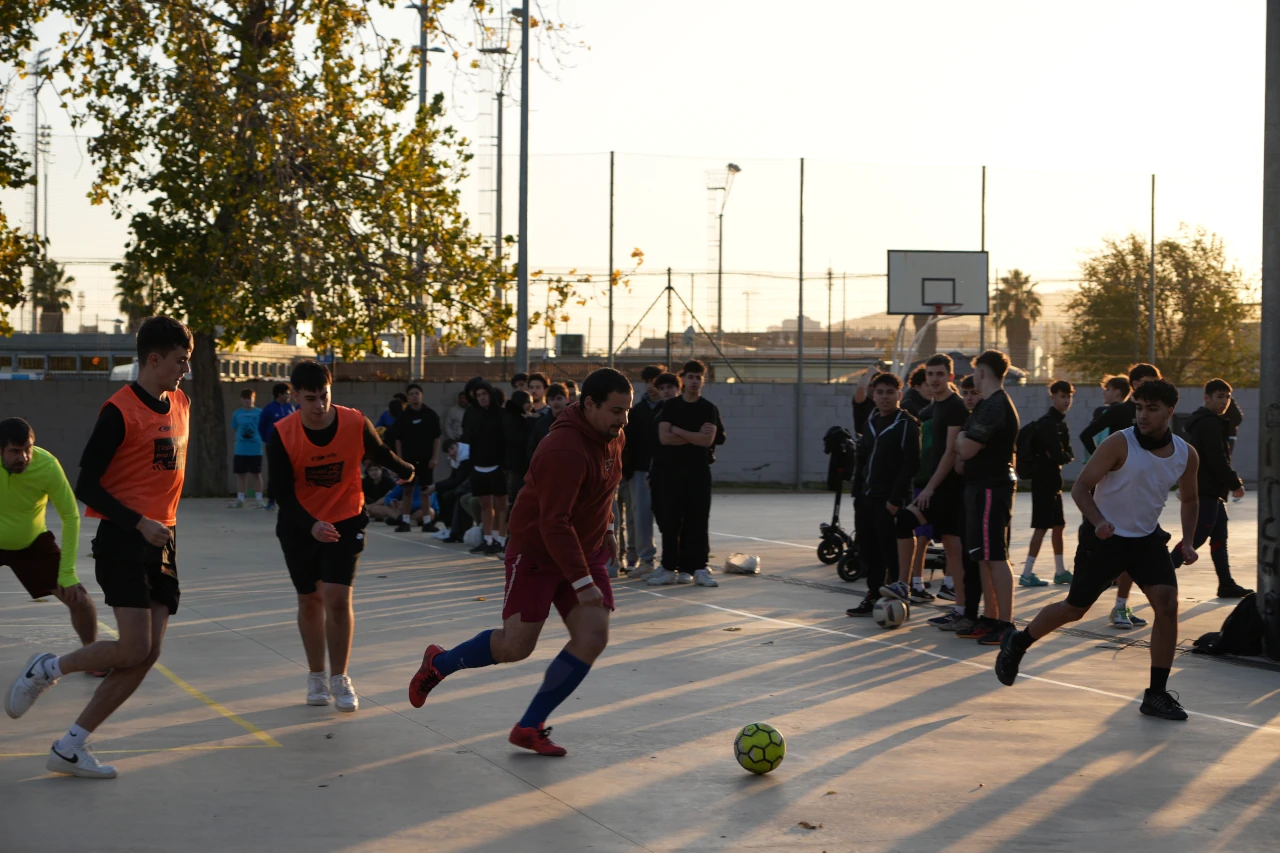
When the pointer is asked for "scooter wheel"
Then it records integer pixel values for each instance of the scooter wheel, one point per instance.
(830, 550)
(850, 568)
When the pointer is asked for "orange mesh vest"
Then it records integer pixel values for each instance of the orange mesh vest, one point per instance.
(147, 470)
(327, 479)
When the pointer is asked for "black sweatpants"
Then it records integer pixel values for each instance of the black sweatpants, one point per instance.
(877, 542)
(682, 508)
(1211, 525)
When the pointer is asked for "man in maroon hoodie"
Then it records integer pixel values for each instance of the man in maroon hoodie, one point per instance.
(561, 541)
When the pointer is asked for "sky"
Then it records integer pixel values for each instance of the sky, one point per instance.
(895, 108)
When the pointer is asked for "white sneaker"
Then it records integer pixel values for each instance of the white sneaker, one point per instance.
(704, 577)
(441, 534)
(641, 571)
(344, 695)
(684, 577)
(662, 577)
(262, 504)
(28, 686)
(235, 504)
(317, 689)
(81, 762)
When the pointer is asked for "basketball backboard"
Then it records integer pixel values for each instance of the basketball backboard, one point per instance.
(921, 280)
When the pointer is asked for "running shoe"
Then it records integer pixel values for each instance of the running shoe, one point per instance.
(403, 527)
(864, 609)
(947, 593)
(1164, 705)
(318, 689)
(1120, 618)
(442, 535)
(1009, 658)
(236, 504)
(897, 589)
(537, 739)
(964, 623)
(1137, 620)
(426, 678)
(28, 686)
(662, 577)
(482, 548)
(391, 521)
(81, 762)
(684, 577)
(981, 628)
(344, 695)
(430, 527)
(992, 638)
(946, 619)
(1031, 580)
(1231, 589)
(1062, 577)
(263, 505)
(642, 571)
(495, 549)
(922, 596)
(271, 504)
(704, 577)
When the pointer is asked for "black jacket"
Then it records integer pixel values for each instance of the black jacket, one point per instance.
(1051, 443)
(642, 432)
(888, 456)
(456, 478)
(482, 430)
(1207, 433)
(516, 427)
(1114, 418)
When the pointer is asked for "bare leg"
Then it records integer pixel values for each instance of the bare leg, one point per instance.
(340, 623)
(134, 645)
(406, 500)
(122, 681)
(1001, 581)
(1054, 616)
(255, 480)
(515, 640)
(906, 558)
(1058, 547)
(917, 563)
(486, 515)
(955, 566)
(1164, 632)
(588, 632)
(500, 509)
(1037, 537)
(84, 616)
(1124, 586)
(241, 479)
(311, 627)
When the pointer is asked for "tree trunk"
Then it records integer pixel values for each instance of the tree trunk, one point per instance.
(1018, 334)
(207, 445)
(50, 322)
(929, 345)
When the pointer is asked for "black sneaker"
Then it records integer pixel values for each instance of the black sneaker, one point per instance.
(495, 549)
(391, 522)
(1008, 659)
(1231, 589)
(482, 548)
(947, 593)
(430, 527)
(922, 596)
(1163, 705)
(864, 609)
(403, 527)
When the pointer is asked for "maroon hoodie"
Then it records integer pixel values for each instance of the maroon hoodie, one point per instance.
(566, 504)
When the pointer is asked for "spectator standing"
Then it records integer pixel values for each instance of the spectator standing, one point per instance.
(247, 460)
(637, 458)
(571, 388)
(1049, 448)
(281, 406)
(482, 432)
(394, 407)
(453, 418)
(416, 434)
(538, 385)
(517, 427)
(557, 400)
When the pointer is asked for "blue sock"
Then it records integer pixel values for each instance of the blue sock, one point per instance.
(563, 677)
(469, 655)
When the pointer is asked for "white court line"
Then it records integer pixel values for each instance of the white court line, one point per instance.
(770, 541)
(413, 541)
(927, 653)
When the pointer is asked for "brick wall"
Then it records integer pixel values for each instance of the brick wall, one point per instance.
(759, 419)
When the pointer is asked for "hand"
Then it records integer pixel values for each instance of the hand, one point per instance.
(591, 596)
(323, 531)
(1238, 493)
(72, 596)
(407, 480)
(922, 499)
(708, 430)
(611, 543)
(429, 490)
(893, 510)
(431, 465)
(154, 532)
(1106, 530)
(1189, 554)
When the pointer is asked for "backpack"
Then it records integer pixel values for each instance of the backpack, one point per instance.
(1241, 634)
(838, 443)
(1025, 460)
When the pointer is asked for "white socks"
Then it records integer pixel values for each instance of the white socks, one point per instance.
(72, 740)
(1058, 563)
(51, 668)
(240, 496)
(917, 584)
(1030, 565)
(405, 519)
(1122, 603)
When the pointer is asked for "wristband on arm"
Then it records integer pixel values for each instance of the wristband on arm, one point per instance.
(582, 582)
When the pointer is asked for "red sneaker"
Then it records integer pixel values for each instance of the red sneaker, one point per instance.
(426, 678)
(537, 739)
(97, 673)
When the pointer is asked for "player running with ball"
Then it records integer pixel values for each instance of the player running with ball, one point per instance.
(561, 541)
(1121, 492)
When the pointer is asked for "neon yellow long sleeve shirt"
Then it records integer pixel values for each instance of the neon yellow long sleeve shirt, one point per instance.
(23, 500)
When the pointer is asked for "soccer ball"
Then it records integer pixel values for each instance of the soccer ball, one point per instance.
(759, 747)
(890, 613)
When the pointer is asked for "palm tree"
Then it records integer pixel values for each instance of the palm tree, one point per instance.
(136, 290)
(1017, 308)
(50, 293)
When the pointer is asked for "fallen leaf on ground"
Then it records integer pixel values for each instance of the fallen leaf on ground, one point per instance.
(481, 598)
(733, 629)
(804, 824)
(829, 793)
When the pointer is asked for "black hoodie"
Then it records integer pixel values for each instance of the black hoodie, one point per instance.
(888, 455)
(1207, 432)
(482, 429)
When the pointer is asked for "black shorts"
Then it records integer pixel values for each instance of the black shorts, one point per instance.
(134, 573)
(36, 566)
(945, 513)
(489, 483)
(310, 561)
(988, 511)
(1046, 509)
(246, 464)
(1101, 561)
(423, 473)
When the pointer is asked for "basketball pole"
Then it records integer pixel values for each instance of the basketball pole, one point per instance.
(982, 318)
(800, 349)
(1151, 282)
(1269, 379)
(611, 259)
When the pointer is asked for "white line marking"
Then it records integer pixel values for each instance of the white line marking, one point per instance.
(928, 653)
(770, 541)
(414, 542)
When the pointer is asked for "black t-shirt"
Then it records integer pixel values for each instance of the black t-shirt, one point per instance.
(943, 414)
(913, 401)
(376, 491)
(993, 424)
(417, 431)
(679, 412)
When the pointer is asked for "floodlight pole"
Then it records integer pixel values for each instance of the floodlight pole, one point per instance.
(1268, 597)
(1151, 282)
(670, 290)
(522, 264)
(800, 348)
(982, 245)
(611, 282)
(830, 291)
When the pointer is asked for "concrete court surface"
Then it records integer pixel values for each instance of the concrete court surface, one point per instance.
(897, 740)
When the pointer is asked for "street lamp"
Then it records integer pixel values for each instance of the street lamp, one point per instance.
(424, 12)
(499, 51)
(730, 170)
(522, 264)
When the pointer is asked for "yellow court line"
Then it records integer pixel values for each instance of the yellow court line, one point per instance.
(151, 749)
(196, 694)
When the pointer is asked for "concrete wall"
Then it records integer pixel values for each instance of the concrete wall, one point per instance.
(759, 419)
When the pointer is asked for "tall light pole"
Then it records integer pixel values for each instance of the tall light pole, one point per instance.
(522, 264)
(730, 170)
(1269, 377)
(416, 344)
(498, 51)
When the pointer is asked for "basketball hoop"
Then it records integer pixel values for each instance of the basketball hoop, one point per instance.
(941, 308)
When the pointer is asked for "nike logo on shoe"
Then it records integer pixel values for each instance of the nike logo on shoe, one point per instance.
(74, 759)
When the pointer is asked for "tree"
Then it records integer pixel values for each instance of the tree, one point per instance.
(929, 343)
(50, 293)
(1017, 307)
(279, 182)
(1202, 315)
(17, 250)
(136, 292)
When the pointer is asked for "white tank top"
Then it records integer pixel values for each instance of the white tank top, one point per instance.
(1133, 497)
